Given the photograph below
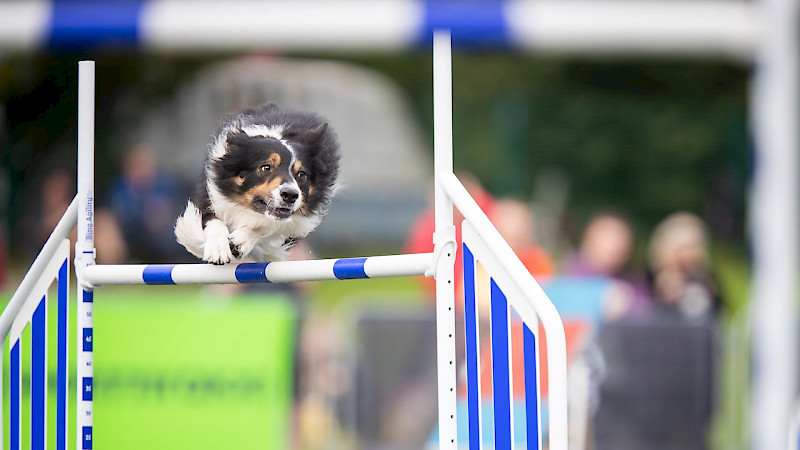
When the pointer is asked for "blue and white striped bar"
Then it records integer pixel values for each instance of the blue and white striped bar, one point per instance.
(529, 301)
(472, 351)
(62, 363)
(39, 375)
(15, 394)
(532, 404)
(273, 272)
(501, 285)
(727, 28)
(34, 314)
(502, 372)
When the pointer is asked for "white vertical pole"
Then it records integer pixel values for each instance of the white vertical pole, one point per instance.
(774, 224)
(84, 253)
(444, 241)
(85, 241)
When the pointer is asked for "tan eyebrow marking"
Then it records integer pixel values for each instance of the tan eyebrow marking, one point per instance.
(274, 159)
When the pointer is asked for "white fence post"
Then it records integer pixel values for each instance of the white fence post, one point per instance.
(774, 223)
(85, 253)
(444, 239)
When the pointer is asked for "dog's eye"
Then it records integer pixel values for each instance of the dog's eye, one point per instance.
(301, 174)
(265, 168)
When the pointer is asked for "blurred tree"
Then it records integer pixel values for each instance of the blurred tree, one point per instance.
(648, 136)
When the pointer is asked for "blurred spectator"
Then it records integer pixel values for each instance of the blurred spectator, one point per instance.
(516, 223)
(605, 251)
(57, 191)
(145, 203)
(109, 242)
(679, 264)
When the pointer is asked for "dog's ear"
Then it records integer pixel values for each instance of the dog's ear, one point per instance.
(236, 139)
(317, 132)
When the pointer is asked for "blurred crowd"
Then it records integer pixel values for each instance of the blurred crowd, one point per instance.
(676, 280)
(134, 217)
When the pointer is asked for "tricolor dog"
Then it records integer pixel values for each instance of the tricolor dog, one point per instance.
(269, 178)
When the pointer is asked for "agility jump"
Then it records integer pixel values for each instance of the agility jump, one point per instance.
(512, 288)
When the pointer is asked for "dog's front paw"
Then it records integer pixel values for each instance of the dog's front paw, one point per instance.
(242, 241)
(217, 250)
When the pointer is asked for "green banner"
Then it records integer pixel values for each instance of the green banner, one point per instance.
(175, 371)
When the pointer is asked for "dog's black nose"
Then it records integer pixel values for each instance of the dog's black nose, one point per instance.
(289, 195)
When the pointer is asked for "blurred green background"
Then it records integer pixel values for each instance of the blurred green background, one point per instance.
(646, 136)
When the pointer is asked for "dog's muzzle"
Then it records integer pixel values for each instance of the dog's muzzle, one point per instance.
(283, 206)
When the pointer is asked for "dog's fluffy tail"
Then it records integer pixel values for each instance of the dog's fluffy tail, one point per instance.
(189, 230)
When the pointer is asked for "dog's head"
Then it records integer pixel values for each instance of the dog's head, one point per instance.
(272, 172)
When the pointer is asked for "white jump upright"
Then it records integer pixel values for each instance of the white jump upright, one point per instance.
(513, 289)
(774, 215)
(515, 284)
(444, 240)
(85, 253)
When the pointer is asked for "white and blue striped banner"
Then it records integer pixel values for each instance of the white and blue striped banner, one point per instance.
(703, 26)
